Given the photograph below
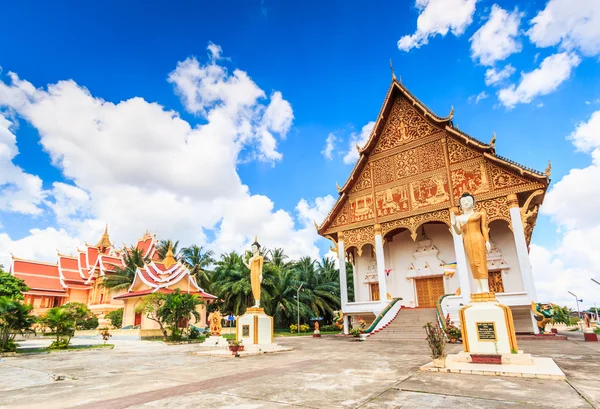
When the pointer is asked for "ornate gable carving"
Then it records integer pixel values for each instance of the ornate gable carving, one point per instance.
(460, 153)
(404, 124)
(364, 180)
(471, 178)
(356, 209)
(502, 179)
(383, 171)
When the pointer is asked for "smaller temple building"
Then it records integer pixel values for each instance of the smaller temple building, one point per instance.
(165, 277)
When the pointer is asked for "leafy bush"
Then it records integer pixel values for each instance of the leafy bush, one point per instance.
(304, 328)
(90, 323)
(11, 346)
(355, 332)
(194, 333)
(293, 328)
(329, 328)
(436, 340)
(60, 344)
(116, 318)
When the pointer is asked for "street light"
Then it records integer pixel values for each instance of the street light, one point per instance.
(298, 300)
(596, 308)
(577, 300)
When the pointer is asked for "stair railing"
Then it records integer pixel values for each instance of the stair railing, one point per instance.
(381, 315)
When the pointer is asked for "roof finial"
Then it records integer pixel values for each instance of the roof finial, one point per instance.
(548, 169)
(451, 114)
(392, 68)
(493, 141)
(169, 259)
(338, 187)
(104, 240)
(358, 148)
(316, 226)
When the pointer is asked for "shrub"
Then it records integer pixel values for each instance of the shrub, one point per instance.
(90, 323)
(60, 344)
(293, 328)
(116, 318)
(304, 328)
(194, 333)
(11, 346)
(436, 340)
(355, 332)
(329, 328)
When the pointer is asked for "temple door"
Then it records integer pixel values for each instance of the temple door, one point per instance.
(138, 319)
(429, 290)
(374, 291)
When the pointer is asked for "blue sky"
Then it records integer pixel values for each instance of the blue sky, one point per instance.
(330, 62)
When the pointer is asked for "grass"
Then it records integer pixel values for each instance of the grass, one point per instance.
(70, 348)
(285, 332)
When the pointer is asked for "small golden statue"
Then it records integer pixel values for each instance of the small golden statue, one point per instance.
(255, 265)
(472, 226)
(214, 320)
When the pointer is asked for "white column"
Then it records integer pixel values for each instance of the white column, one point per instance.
(522, 254)
(355, 273)
(461, 268)
(342, 260)
(346, 325)
(380, 264)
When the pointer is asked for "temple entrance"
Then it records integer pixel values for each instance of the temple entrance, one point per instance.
(374, 291)
(429, 290)
(138, 319)
(495, 282)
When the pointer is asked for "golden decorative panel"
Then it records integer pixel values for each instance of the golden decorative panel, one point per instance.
(392, 200)
(472, 179)
(364, 180)
(404, 124)
(496, 209)
(412, 223)
(460, 153)
(359, 237)
(429, 290)
(495, 282)
(383, 171)
(431, 156)
(502, 179)
(406, 164)
(429, 191)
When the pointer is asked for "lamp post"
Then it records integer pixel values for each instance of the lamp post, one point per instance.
(577, 300)
(595, 308)
(298, 300)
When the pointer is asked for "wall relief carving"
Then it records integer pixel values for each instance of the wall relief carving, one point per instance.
(364, 180)
(472, 179)
(392, 200)
(429, 191)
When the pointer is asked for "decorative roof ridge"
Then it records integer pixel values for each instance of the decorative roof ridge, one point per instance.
(522, 168)
(468, 138)
(34, 261)
(333, 208)
(424, 107)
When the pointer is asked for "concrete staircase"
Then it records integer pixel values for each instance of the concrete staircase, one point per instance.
(407, 326)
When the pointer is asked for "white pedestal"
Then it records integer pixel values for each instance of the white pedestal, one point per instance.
(487, 326)
(215, 341)
(255, 327)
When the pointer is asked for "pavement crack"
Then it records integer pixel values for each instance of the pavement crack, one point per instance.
(581, 394)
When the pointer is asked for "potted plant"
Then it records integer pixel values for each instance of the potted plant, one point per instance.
(236, 346)
(105, 335)
(436, 338)
(453, 334)
(355, 332)
(487, 358)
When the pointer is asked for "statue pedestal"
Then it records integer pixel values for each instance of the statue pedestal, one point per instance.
(255, 327)
(487, 326)
(215, 341)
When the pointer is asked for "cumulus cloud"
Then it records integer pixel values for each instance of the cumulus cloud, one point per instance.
(138, 166)
(493, 76)
(498, 37)
(553, 71)
(571, 24)
(572, 204)
(359, 139)
(329, 146)
(479, 97)
(438, 17)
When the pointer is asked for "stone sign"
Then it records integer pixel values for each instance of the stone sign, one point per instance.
(486, 331)
(246, 330)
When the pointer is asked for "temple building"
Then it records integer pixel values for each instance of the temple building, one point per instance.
(79, 278)
(392, 218)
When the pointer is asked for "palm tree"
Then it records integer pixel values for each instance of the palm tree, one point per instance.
(197, 261)
(320, 293)
(231, 283)
(61, 322)
(280, 300)
(177, 308)
(122, 277)
(163, 247)
(276, 257)
(15, 318)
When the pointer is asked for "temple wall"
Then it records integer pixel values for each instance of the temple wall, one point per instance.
(78, 296)
(503, 237)
(365, 264)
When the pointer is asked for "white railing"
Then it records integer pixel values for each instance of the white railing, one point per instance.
(388, 317)
(374, 307)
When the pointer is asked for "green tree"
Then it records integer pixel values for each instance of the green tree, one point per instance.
(178, 308)
(61, 321)
(123, 277)
(198, 262)
(15, 318)
(320, 293)
(562, 315)
(150, 306)
(281, 302)
(231, 283)
(163, 247)
(82, 316)
(11, 286)
(116, 318)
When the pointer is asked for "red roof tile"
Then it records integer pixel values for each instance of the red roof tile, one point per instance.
(41, 282)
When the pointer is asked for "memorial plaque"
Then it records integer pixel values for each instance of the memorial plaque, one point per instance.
(245, 330)
(486, 331)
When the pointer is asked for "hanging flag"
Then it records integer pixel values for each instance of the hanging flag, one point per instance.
(387, 272)
(450, 268)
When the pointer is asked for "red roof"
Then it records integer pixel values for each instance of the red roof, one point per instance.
(40, 282)
(34, 267)
(201, 294)
(68, 263)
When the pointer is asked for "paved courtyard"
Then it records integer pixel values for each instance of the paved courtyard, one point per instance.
(330, 372)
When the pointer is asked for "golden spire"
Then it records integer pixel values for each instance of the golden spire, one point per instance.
(169, 259)
(392, 68)
(104, 240)
(493, 141)
(548, 169)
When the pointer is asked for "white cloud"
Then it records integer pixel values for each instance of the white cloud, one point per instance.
(497, 38)
(572, 204)
(359, 139)
(138, 166)
(41, 245)
(493, 76)
(574, 24)
(316, 212)
(479, 97)
(553, 71)
(438, 17)
(20, 192)
(329, 146)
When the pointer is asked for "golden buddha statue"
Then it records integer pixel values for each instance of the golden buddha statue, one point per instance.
(255, 265)
(472, 226)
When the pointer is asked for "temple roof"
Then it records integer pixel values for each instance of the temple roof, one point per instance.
(104, 240)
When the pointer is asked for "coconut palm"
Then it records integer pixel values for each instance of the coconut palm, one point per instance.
(231, 283)
(61, 321)
(178, 308)
(320, 293)
(163, 247)
(198, 262)
(122, 277)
